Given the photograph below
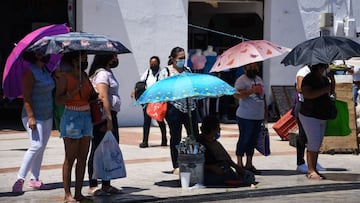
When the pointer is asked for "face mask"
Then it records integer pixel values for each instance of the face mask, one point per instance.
(251, 74)
(180, 63)
(217, 136)
(154, 68)
(114, 64)
(45, 59)
(84, 65)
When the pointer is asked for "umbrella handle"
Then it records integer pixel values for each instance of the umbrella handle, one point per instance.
(80, 78)
(190, 119)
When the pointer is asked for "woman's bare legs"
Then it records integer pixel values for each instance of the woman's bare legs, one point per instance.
(82, 153)
(71, 147)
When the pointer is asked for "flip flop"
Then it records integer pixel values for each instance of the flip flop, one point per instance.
(314, 176)
(71, 201)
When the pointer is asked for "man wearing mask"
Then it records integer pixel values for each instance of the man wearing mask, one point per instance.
(250, 114)
(150, 76)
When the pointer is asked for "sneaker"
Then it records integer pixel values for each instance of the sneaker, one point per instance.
(18, 186)
(320, 168)
(302, 168)
(37, 184)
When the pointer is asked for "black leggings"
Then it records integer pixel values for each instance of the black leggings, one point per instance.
(99, 133)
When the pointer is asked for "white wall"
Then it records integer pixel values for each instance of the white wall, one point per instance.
(146, 27)
(289, 22)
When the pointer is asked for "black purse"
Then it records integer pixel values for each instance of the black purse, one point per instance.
(140, 88)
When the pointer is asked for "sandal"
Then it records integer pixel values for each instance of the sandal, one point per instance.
(91, 191)
(110, 189)
(315, 176)
(71, 201)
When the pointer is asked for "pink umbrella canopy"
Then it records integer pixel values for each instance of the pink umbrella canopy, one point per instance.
(247, 52)
(15, 65)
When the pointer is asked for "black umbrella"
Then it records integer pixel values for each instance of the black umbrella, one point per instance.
(324, 49)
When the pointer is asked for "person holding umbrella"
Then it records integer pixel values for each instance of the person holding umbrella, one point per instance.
(37, 115)
(177, 111)
(250, 114)
(314, 112)
(73, 89)
(107, 86)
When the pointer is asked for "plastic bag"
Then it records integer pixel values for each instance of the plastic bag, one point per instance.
(157, 110)
(108, 160)
(340, 125)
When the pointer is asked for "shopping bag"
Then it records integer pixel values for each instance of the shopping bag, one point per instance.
(157, 110)
(340, 125)
(263, 141)
(108, 160)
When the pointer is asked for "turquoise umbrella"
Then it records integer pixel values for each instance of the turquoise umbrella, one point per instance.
(186, 86)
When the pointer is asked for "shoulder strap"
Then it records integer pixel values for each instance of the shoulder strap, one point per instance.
(147, 75)
(168, 71)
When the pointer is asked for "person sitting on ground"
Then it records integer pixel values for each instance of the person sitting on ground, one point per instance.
(219, 168)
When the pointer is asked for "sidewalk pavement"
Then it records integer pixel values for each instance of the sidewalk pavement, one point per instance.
(149, 177)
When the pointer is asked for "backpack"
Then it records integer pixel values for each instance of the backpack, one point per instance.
(140, 86)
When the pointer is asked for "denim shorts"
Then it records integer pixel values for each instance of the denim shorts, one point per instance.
(76, 124)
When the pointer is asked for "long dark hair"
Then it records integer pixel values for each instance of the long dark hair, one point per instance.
(100, 61)
(69, 57)
(174, 52)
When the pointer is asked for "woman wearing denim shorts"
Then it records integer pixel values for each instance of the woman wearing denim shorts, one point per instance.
(73, 90)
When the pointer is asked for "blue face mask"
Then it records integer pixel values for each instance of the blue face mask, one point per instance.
(180, 63)
(217, 136)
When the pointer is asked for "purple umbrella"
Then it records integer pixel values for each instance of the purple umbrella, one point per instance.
(15, 65)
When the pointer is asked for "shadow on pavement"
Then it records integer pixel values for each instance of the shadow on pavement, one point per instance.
(342, 176)
(278, 172)
(168, 183)
(126, 196)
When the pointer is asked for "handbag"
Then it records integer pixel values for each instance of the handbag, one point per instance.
(140, 88)
(96, 107)
(108, 160)
(340, 125)
(263, 141)
(97, 111)
(157, 110)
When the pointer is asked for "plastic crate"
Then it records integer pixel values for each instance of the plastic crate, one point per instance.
(285, 124)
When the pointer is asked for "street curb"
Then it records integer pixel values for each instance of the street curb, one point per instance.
(260, 193)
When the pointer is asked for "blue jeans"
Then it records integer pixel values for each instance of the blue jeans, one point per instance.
(248, 133)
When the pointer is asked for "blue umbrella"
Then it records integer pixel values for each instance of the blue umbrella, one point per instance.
(185, 86)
